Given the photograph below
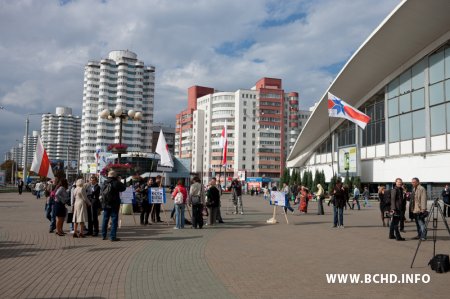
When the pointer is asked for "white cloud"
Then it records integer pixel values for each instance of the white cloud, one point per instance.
(45, 46)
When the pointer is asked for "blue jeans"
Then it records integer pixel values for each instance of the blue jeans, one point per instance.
(338, 216)
(366, 202)
(50, 213)
(179, 215)
(421, 229)
(114, 215)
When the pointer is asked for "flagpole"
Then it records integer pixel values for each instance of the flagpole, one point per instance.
(332, 147)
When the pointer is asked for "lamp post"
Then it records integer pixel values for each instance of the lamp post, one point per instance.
(122, 115)
(27, 124)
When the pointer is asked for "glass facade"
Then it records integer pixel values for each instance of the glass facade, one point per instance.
(375, 132)
(406, 99)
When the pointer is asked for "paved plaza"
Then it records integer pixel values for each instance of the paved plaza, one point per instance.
(242, 258)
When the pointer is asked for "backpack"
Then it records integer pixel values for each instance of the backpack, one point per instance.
(107, 194)
(179, 198)
(440, 263)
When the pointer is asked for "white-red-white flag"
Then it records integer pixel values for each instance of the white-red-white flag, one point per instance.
(223, 142)
(41, 163)
(162, 149)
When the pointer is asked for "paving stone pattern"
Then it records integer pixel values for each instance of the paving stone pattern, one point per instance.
(243, 258)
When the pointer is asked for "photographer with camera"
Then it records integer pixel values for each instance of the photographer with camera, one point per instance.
(398, 202)
(419, 202)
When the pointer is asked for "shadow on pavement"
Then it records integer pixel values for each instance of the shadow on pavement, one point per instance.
(8, 250)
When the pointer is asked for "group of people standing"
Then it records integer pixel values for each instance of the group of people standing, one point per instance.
(81, 204)
(393, 205)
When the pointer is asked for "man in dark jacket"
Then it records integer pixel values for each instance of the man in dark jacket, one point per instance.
(398, 203)
(156, 209)
(111, 204)
(339, 201)
(93, 193)
(446, 199)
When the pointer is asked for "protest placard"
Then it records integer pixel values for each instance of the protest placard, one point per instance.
(156, 195)
(127, 196)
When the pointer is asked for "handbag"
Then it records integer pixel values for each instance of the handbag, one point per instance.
(195, 199)
(69, 217)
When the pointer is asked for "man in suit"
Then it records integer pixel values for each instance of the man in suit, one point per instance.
(398, 202)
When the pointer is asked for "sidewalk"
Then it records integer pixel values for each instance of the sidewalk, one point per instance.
(243, 258)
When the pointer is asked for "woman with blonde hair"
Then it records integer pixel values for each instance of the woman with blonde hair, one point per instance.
(80, 213)
(320, 194)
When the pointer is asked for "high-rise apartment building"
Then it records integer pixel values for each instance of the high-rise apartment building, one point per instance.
(31, 147)
(60, 134)
(15, 154)
(119, 80)
(261, 122)
(184, 125)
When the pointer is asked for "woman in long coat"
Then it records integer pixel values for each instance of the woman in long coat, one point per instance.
(80, 213)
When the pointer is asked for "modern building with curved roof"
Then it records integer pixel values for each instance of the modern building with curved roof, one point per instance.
(400, 77)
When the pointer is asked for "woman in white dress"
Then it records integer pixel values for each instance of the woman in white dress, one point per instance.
(82, 202)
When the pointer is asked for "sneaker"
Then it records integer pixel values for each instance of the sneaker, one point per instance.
(423, 239)
(341, 226)
(115, 239)
(416, 238)
(175, 227)
(334, 226)
(71, 232)
(242, 213)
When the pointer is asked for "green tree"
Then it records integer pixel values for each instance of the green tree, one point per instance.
(357, 182)
(332, 183)
(347, 180)
(316, 180)
(292, 178)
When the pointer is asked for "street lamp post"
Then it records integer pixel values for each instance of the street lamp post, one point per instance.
(122, 115)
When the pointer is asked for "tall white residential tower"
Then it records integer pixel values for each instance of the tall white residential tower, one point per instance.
(60, 134)
(119, 80)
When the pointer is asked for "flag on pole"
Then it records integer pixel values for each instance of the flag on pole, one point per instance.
(339, 108)
(223, 142)
(163, 150)
(41, 163)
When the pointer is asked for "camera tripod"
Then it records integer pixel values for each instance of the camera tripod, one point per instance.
(434, 210)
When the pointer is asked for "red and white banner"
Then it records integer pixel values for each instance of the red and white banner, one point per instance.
(223, 142)
(41, 163)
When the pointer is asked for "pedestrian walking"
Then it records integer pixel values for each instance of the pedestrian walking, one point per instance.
(20, 186)
(287, 196)
(366, 195)
(236, 188)
(356, 196)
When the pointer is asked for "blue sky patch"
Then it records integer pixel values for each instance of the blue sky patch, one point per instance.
(234, 49)
(281, 22)
(334, 68)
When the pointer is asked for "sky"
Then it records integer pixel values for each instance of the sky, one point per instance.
(224, 44)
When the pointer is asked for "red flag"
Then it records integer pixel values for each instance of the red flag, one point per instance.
(41, 163)
(224, 144)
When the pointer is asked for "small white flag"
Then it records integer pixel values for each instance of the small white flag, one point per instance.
(163, 150)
